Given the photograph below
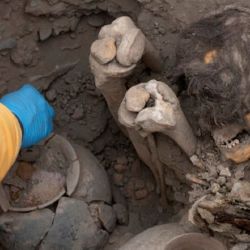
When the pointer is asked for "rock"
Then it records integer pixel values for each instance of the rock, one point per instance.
(74, 228)
(121, 214)
(93, 183)
(215, 187)
(9, 43)
(96, 20)
(241, 191)
(118, 179)
(221, 180)
(224, 171)
(107, 217)
(120, 168)
(45, 31)
(241, 246)
(51, 95)
(22, 231)
(141, 194)
(122, 160)
(206, 215)
(104, 50)
(78, 113)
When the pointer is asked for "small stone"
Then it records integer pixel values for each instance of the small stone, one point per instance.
(215, 187)
(122, 160)
(9, 43)
(121, 214)
(206, 215)
(141, 194)
(51, 95)
(221, 180)
(225, 172)
(139, 184)
(107, 217)
(78, 113)
(241, 191)
(119, 168)
(104, 50)
(45, 31)
(96, 20)
(118, 179)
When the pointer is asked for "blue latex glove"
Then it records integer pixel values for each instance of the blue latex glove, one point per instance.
(33, 111)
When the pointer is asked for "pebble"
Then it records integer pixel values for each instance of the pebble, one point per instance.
(141, 194)
(78, 113)
(107, 217)
(221, 180)
(51, 95)
(215, 187)
(45, 31)
(96, 20)
(118, 179)
(121, 214)
(120, 168)
(9, 43)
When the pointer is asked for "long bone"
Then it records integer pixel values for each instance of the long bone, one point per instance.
(110, 76)
(153, 107)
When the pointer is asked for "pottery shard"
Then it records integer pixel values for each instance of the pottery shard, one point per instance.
(21, 231)
(74, 228)
(93, 182)
(104, 50)
(107, 217)
(136, 99)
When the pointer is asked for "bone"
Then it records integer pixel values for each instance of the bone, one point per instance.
(110, 78)
(132, 44)
(164, 116)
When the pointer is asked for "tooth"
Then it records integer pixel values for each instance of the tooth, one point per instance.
(237, 141)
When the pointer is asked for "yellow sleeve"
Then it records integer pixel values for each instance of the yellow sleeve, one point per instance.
(10, 140)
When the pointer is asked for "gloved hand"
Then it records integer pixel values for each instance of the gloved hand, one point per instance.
(33, 111)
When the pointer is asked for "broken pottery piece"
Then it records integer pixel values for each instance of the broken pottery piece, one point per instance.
(74, 228)
(172, 237)
(93, 183)
(44, 179)
(20, 231)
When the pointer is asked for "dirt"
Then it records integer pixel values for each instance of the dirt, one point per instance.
(47, 43)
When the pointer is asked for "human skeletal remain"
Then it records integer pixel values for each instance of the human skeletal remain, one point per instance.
(234, 141)
(111, 71)
(153, 107)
